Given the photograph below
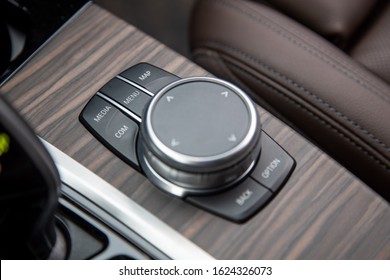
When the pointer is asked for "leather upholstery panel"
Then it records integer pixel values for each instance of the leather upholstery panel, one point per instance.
(331, 99)
(373, 49)
(336, 20)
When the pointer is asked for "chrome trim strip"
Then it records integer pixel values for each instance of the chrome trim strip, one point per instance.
(135, 85)
(125, 210)
(120, 106)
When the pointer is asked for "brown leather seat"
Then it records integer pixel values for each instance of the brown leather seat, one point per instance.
(323, 66)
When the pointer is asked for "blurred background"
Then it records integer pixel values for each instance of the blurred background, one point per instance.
(165, 20)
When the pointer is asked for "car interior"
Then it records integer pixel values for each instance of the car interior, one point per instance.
(194, 129)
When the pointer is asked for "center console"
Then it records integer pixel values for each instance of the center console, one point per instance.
(305, 205)
(197, 138)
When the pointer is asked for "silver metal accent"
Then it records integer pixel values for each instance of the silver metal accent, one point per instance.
(180, 191)
(182, 183)
(122, 208)
(135, 85)
(120, 106)
(209, 161)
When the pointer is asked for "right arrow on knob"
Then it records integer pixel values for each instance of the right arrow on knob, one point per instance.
(225, 93)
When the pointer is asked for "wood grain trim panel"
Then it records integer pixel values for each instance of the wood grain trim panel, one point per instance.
(323, 212)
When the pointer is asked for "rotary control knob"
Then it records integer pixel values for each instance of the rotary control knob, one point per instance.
(199, 136)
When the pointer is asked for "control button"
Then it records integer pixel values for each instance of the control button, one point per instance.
(274, 165)
(237, 204)
(128, 96)
(149, 76)
(117, 131)
(199, 135)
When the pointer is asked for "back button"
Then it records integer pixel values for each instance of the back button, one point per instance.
(237, 204)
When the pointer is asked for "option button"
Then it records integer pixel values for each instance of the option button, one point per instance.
(274, 165)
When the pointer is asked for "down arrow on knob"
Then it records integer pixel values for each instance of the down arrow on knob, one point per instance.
(174, 143)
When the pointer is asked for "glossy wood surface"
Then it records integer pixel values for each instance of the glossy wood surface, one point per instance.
(322, 213)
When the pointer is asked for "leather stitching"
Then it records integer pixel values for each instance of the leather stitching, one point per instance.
(307, 49)
(302, 89)
(321, 120)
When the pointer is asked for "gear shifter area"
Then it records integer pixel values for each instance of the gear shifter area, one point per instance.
(31, 217)
(60, 210)
(197, 138)
(29, 192)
